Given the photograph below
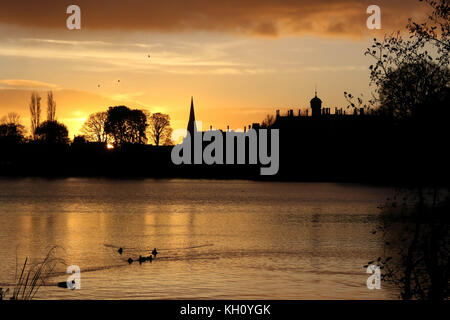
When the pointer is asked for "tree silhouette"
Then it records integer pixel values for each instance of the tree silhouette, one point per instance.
(411, 75)
(407, 77)
(160, 130)
(51, 107)
(11, 118)
(79, 140)
(437, 30)
(137, 123)
(417, 90)
(409, 80)
(126, 125)
(11, 133)
(268, 121)
(35, 113)
(94, 127)
(52, 132)
(415, 230)
(11, 129)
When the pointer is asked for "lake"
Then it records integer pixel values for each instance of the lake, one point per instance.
(216, 239)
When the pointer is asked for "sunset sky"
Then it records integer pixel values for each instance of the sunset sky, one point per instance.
(240, 59)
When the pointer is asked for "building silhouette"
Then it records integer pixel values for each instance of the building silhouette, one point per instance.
(321, 143)
(317, 119)
(318, 113)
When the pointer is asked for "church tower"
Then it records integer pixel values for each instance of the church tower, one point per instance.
(192, 127)
(316, 106)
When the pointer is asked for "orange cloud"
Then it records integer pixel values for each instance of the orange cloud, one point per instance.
(26, 84)
(345, 18)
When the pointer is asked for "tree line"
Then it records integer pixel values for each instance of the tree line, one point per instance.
(118, 125)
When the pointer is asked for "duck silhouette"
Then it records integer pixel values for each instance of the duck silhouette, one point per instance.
(120, 250)
(130, 261)
(154, 252)
(63, 284)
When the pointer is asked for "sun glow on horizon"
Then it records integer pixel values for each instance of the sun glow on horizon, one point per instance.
(237, 77)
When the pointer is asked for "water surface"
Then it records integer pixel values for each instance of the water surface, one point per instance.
(216, 239)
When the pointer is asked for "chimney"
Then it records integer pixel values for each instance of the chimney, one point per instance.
(278, 113)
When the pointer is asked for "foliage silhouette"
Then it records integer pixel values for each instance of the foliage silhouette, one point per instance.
(94, 127)
(268, 121)
(159, 129)
(51, 107)
(126, 125)
(11, 133)
(415, 230)
(412, 88)
(35, 113)
(411, 75)
(52, 132)
(11, 129)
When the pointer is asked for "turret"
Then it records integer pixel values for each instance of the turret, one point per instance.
(316, 106)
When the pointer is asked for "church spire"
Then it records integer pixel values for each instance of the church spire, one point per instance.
(191, 124)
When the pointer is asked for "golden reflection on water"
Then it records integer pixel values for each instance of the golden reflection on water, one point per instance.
(217, 239)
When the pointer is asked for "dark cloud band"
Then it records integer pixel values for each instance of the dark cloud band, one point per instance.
(247, 17)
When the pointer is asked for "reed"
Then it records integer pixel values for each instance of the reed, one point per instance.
(33, 276)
